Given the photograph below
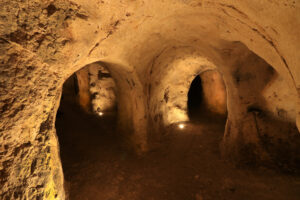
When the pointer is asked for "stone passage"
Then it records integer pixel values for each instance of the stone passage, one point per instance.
(207, 97)
(128, 67)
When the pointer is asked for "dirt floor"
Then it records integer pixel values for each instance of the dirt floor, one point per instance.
(187, 166)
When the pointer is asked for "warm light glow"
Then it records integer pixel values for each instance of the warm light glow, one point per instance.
(100, 113)
(181, 126)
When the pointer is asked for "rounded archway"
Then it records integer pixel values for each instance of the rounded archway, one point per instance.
(86, 124)
(168, 86)
(207, 97)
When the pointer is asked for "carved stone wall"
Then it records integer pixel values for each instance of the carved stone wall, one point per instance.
(254, 44)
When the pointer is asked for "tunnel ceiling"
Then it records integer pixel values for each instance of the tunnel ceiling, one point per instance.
(204, 24)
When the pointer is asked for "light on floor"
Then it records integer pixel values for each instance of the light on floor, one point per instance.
(181, 126)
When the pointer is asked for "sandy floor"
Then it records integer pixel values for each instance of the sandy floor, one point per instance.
(187, 166)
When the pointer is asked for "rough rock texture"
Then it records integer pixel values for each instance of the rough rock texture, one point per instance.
(253, 43)
(33, 50)
(102, 89)
(255, 133)
(96, 89)
(30, 167)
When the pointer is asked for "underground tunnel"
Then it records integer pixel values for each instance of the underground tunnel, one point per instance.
(207, 98)
(85, 125)
(195, 97)
(152, 100)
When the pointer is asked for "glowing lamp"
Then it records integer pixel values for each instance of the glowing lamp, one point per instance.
(181, 126)
(100, 113)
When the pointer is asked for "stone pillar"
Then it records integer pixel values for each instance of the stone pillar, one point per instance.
(30, 166)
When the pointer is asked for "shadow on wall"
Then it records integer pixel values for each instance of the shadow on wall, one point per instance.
(278, 140)
(261, 125)
(207, 98)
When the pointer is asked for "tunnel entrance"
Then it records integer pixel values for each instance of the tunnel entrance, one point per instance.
(207, 98)
(195, 98)
(86, 126)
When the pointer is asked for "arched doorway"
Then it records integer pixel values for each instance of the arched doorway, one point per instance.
(86, 124)
(207, 98)
(195, 97)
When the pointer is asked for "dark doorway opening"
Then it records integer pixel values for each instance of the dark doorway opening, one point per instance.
(195, 99)
(86, 138)
(207, 98)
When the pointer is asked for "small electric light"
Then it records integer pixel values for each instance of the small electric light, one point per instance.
(181, 126)
(100, 113)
